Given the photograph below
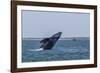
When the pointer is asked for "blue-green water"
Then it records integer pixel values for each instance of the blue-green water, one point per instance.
(63, 50)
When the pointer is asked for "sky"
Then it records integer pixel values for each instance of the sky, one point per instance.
(41, 24)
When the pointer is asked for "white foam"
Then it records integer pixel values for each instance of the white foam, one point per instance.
(40, 49)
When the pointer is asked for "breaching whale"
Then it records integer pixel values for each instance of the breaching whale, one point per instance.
(48, 43)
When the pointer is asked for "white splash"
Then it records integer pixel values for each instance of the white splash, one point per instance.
(40, 49)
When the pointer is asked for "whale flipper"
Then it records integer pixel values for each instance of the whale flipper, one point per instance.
(44, 40)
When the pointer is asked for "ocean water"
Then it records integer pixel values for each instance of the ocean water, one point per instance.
(64, 49)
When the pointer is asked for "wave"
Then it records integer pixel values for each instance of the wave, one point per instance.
(71, 49)
(61, 49)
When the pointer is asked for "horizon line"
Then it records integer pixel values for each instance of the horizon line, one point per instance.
(61, 38)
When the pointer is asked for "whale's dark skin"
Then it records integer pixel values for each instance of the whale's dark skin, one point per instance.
(48, 43)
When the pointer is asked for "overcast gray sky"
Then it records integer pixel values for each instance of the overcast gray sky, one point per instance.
(41, 24)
